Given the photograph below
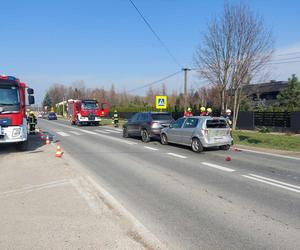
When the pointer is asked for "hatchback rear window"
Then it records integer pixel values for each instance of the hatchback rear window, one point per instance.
(162, 117)
(216, 124)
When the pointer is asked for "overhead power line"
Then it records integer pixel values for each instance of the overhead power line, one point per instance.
(284, 62)
(155, 34)
(286, 54)
(154, 82)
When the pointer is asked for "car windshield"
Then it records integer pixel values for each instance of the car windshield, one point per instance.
(9, 96)
(216, 123)
(162, 117)
(89, 105)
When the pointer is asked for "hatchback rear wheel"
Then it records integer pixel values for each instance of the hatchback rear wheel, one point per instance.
(196, 145)
(164, 139)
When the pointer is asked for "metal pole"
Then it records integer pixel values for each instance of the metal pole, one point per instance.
(185, 70)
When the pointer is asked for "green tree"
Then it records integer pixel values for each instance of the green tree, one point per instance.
(289, 98)
(47, 102)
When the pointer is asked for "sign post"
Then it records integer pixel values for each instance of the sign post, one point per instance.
(161, 102)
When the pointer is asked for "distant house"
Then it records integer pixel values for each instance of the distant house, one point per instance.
(266, 92)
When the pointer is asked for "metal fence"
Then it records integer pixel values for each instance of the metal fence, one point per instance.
(276, 121)
(272, 119)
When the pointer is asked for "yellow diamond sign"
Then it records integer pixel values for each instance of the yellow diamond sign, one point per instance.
(161, 102)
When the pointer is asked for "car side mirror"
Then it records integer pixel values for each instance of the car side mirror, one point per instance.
(30, 91)
(31, 100)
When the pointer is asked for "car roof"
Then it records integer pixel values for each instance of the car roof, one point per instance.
(206, 117)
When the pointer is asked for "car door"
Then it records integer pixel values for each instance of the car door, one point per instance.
(132, 123)
(173, 133)
(188, 129)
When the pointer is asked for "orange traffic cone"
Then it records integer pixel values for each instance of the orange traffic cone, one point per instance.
(47, 140)
(58, 153)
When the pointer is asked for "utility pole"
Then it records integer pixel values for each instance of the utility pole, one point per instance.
(185, 70)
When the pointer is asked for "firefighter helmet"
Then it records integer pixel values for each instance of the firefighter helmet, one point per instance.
(202, 109)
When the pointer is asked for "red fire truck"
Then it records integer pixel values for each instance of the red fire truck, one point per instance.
(87, 111)
(13, 122)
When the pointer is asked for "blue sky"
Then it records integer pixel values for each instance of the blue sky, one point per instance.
(105, 42)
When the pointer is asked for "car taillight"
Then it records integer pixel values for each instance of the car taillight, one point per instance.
(154, 124)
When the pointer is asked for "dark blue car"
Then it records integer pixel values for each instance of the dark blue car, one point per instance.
(52, 116)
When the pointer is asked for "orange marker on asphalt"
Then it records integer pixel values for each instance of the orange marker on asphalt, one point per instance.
(58, 153)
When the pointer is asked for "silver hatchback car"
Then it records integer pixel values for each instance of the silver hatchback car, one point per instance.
(199, 132)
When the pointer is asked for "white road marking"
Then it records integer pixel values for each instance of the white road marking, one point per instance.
(36, 187)
(117, 129)
(271, 183)
(74, 133)
(272, 180)
(88, 132)
(100, 135)
(176, 155)
(271, 154)
(62, 133)
(218, 167)
(154, 149)
(112, 131)
(101, 131)
(108, 137)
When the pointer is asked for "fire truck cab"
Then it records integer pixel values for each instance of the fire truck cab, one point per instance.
(13, 120)
(86, 112)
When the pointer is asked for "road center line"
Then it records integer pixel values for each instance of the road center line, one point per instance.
(272, 180)
(271, 183)
(176, 155)
(218, 167)
(154, 149)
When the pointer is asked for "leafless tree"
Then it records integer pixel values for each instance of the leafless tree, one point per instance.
(236, 48)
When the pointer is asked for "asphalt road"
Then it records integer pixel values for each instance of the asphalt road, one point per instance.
(189, 200)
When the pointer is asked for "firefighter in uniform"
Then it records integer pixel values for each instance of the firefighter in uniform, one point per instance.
(228, 117)
(188, 112)
(31, 122)
(202, 111)
(209, 112)
(116, 119)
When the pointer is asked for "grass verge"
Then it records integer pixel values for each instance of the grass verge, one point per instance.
(272, 141)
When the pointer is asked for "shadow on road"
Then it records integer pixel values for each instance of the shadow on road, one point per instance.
(34, 142)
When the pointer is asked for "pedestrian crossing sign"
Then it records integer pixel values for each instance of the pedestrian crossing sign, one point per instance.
(161, 102)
